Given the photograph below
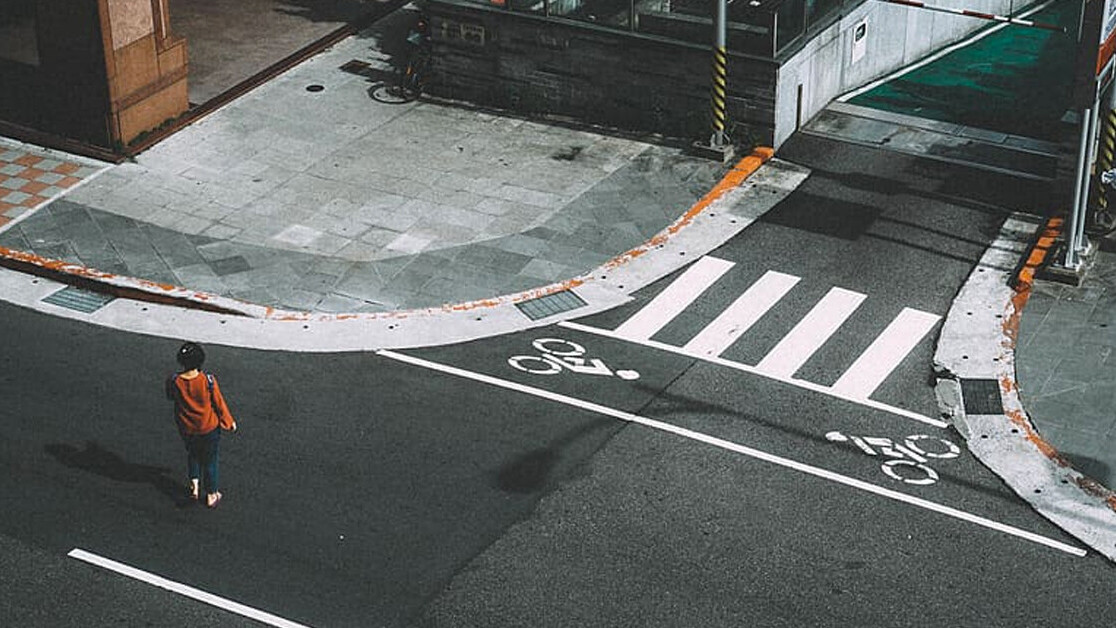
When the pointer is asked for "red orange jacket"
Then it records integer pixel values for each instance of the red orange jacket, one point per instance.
(194, 410)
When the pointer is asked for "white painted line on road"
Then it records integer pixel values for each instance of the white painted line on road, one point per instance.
(674, 298)
(885, 353)
(751, 370)
(739, 317)
(811, 332)
(733, 447)
(182, 589)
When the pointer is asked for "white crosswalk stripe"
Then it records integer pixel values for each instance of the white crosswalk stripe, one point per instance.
(866, 374)
(811, 332)
(676, 297)
(719, 335)
(885, 353)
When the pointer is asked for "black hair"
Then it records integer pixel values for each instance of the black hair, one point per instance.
(191, 356)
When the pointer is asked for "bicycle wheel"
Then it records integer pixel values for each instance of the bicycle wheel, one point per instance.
(413, 78)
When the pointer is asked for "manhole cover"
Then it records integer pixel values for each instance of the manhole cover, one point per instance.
(78, 299)
(982, 396)
(550, 305)
(315, 88)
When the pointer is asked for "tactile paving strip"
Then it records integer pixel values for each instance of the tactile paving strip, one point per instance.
(29, 179)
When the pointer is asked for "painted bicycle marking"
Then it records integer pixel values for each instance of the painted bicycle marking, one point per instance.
(557, 355)
(911, 455)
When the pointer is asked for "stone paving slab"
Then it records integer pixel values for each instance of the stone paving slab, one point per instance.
(1066, 365)
(315, 261)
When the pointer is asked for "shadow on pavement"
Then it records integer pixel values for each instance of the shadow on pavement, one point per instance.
(1096, 469)
(97, 460)
(533, 470)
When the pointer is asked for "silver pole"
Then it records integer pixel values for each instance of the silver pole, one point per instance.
(1071, 260)
(722, 22)
(1082, 242)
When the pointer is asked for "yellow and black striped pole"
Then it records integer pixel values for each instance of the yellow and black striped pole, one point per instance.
(1106, 158)
(720, 70)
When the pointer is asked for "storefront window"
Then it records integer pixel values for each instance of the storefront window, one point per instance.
(18, 25)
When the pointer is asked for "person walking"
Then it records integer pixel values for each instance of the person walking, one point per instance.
(200, 413)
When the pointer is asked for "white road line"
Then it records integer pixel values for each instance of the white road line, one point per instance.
(674, 298)
(182, 589)
(885, 353)
(719, 335)
(730, 446)
(751, 370)
(811, 332)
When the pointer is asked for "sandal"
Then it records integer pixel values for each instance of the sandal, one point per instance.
(213, 504)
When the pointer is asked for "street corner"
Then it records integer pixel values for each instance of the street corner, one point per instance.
(978, 390)
(171, 308)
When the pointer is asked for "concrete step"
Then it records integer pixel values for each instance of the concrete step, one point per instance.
(1015, 155)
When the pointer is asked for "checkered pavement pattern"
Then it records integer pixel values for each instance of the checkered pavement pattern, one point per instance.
(30, 178)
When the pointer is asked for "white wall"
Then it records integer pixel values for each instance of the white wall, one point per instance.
(897, 36)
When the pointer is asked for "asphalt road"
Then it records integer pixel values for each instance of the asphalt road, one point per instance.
(445, 487)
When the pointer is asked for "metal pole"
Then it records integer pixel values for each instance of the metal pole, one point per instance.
(1082, 242)
(720, 67)
(1071, 261)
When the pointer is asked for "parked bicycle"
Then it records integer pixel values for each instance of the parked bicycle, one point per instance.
(412, 77)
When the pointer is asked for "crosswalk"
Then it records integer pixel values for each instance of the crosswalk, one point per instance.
(859, 381)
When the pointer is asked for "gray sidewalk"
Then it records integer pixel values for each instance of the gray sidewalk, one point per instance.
(1066, 366)
(334, 201)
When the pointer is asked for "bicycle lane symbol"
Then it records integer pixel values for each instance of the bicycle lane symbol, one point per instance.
(912, 454)
(557, 355)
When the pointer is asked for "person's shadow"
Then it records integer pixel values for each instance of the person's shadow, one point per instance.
(100, 461)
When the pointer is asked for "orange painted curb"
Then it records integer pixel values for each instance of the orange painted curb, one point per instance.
(1043, 247)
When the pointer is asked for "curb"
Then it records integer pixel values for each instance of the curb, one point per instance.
(975, 358)
(743, 195)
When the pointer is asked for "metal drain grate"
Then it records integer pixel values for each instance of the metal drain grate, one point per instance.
(550, 305)
(982, 396)
(78, 299)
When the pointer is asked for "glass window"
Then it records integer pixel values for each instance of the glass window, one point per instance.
(790, 22)
(19, 40)
(817, 10)
(615, 13)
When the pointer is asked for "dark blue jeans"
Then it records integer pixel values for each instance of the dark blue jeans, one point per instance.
(202, 452)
